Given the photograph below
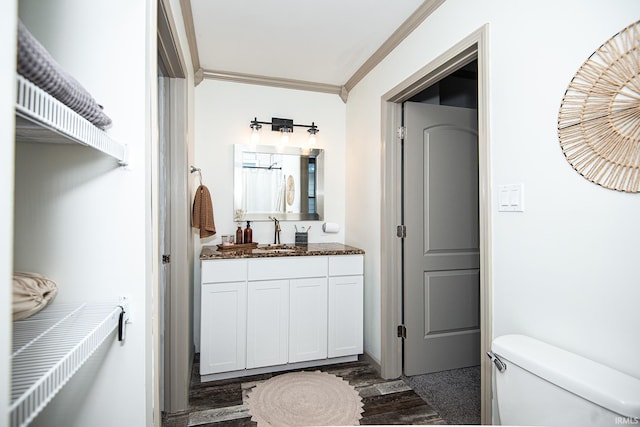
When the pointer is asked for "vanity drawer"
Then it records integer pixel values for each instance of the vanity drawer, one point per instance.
(346, 265)
(287, 267)
(227, 270)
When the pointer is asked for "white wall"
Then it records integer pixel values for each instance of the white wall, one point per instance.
(8, 12)
(223, 111)
(82, 220)
(564, 271)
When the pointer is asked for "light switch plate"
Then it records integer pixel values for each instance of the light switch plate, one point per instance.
(511, 198)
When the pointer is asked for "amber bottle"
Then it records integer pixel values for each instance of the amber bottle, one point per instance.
(248, 233)
(239, 239)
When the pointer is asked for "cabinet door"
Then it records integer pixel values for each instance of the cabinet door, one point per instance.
(223, 327)
(345, 315)
(267, 323)
(308, 319)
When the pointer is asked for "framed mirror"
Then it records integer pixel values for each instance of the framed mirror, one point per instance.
(282, 182)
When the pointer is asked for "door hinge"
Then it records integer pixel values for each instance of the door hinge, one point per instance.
(166, 259)
(402, 331)
(401, 231)
(401, 132)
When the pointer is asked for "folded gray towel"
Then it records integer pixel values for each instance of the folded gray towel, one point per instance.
(38, 66)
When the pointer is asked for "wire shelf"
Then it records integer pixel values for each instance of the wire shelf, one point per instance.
(42, 118)
(50, 347)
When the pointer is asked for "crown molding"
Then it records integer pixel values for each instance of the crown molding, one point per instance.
(272, 81)
(407, 27)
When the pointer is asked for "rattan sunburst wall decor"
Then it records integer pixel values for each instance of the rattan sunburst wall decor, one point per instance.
(599, 119)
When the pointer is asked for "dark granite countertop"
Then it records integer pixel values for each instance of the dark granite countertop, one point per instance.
(285, 250)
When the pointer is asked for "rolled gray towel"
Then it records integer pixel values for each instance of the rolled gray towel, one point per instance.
(37, 65)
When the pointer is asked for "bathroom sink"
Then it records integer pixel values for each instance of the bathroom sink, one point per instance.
(278, 248)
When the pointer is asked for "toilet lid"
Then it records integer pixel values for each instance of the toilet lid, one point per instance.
(597, 383)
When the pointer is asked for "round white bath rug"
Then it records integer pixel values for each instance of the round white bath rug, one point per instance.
(305, 399)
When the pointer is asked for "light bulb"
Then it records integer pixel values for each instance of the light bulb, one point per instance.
(285, 135)
(255, 131)
(255, 136)
(313, 131)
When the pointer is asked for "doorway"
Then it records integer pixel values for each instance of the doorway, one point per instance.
(441, 282)
(175, 282)
(472, 48)
(164, 231)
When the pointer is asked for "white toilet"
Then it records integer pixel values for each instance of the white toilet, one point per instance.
(538, 384)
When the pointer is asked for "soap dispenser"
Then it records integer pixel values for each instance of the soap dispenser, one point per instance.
(248, 238)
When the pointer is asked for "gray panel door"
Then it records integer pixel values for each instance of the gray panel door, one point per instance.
(441, 250)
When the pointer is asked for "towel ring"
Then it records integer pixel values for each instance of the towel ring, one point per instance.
(195, 169)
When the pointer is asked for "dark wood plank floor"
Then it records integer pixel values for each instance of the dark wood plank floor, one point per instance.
(221, 403)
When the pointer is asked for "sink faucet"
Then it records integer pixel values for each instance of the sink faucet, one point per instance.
(276, 235)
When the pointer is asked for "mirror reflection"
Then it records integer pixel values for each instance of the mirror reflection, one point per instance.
(283, 182)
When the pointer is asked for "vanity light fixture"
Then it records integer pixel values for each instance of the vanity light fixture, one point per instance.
(284, 126)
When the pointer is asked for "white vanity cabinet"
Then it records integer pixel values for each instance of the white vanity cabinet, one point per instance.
(346, 293)
(272, 313)
(308, 319)
(294, 319)
(267, 323)
(223, 316)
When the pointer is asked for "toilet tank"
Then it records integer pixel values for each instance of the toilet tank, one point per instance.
(544, 385)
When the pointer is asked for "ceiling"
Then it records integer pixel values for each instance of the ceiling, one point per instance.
(320, 41)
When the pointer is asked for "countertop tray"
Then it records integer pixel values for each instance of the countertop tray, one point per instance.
(236, 247)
